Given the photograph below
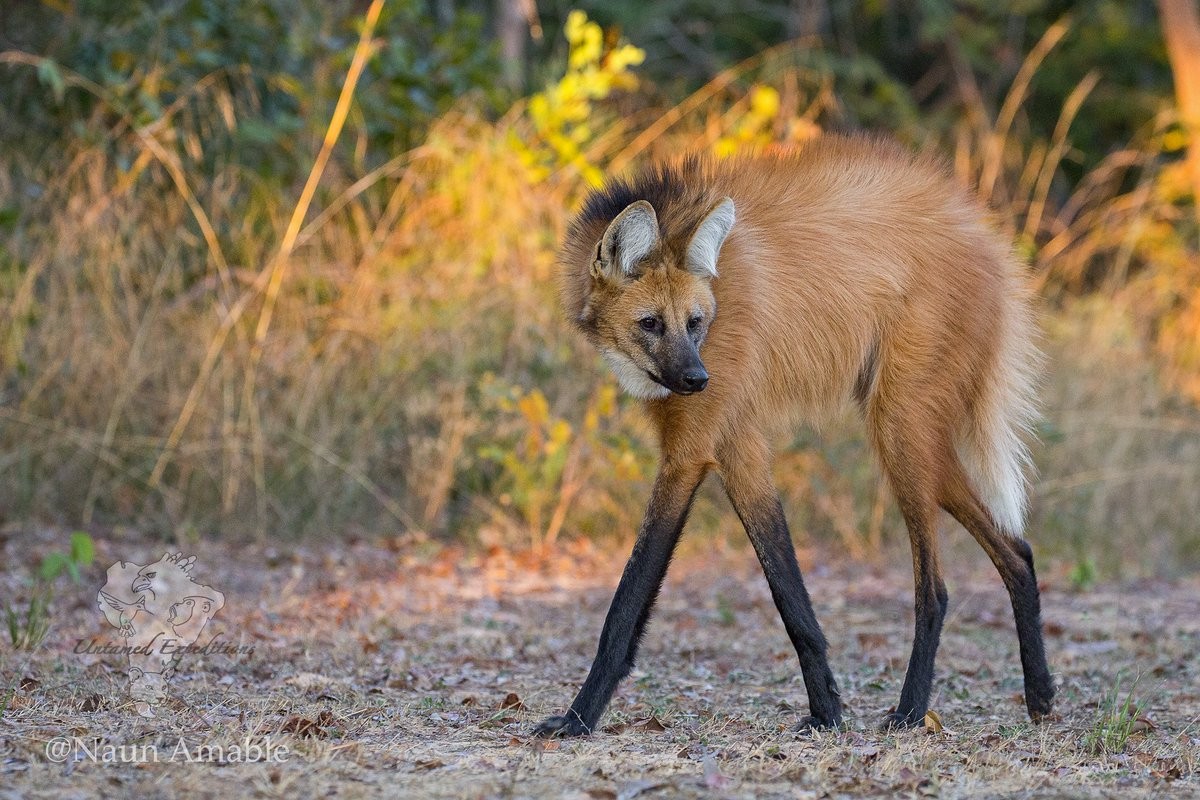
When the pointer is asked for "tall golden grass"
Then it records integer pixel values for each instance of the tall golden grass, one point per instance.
(188, 352)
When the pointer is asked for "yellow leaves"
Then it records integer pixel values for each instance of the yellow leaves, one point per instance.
(602, 407)
(560, 434)
(764, 103)
(544, 461)
(725, 147)
(627, 466)
(545, 435)
(1173, 140)
(577, 22)
(586, 39)
(763, 123)
(539, 109)
(591, 174)
(1174, 182)
(753, 129)
(606, 400)
(621, 59)
(534, 408)
(561, 112)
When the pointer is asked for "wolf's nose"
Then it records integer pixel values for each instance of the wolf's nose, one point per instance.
(694, 380)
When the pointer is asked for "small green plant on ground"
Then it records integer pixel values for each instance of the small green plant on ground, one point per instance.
(1083, 574)
(27, 629)
(1116, 720)
(28, 626)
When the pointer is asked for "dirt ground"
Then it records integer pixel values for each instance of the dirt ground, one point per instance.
(406, 670)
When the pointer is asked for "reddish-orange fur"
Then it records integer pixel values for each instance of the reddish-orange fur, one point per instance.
(850, 244)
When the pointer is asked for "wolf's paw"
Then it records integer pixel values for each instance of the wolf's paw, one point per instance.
(896, 721)
(1040, 703)
(809, 725)
(558, 727)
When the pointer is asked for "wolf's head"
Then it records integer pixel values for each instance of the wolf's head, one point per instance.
(649, 303)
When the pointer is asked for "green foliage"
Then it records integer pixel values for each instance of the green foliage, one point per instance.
(281, 63)
(27, 627)
(420, 70)
(56, 563)
(892, 63)
(1083, 574)
(1116, 720)
(543, 462)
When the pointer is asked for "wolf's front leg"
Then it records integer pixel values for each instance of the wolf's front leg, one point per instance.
(634, 599)
(746, 471)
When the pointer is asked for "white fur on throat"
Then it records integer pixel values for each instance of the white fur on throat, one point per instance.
(633, 379)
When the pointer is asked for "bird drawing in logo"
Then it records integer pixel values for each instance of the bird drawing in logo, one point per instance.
(159, 610)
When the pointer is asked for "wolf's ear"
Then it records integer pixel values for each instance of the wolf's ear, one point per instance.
(706, 244)
(629, 238)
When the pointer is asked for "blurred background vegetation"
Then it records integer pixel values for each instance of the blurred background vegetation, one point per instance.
(283, 268)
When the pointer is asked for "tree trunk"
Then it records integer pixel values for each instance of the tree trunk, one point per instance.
(512, 29)
(1181, 29)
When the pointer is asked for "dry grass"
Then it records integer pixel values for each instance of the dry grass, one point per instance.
(404, 663)
(187, 351)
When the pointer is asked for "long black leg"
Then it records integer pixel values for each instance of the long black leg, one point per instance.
(1020, 579)
(931, 600)
(1013, 559)
(633, 601)
(746, 472)
(772, 542)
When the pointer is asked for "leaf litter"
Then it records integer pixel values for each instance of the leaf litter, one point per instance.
(423, 674)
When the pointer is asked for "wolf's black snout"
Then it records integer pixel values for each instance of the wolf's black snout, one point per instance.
(694, 380)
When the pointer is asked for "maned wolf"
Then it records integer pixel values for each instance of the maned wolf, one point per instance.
(739, 297)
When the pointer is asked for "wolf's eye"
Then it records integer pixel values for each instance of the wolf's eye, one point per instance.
(694, 322)
(651, 324)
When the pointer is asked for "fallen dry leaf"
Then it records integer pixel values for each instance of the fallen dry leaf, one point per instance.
(511, 700)
(1143, 725)
(933, 722)
(867, 753)
(650, 723)
(307, 728)
(910, 780)
(17, 701)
